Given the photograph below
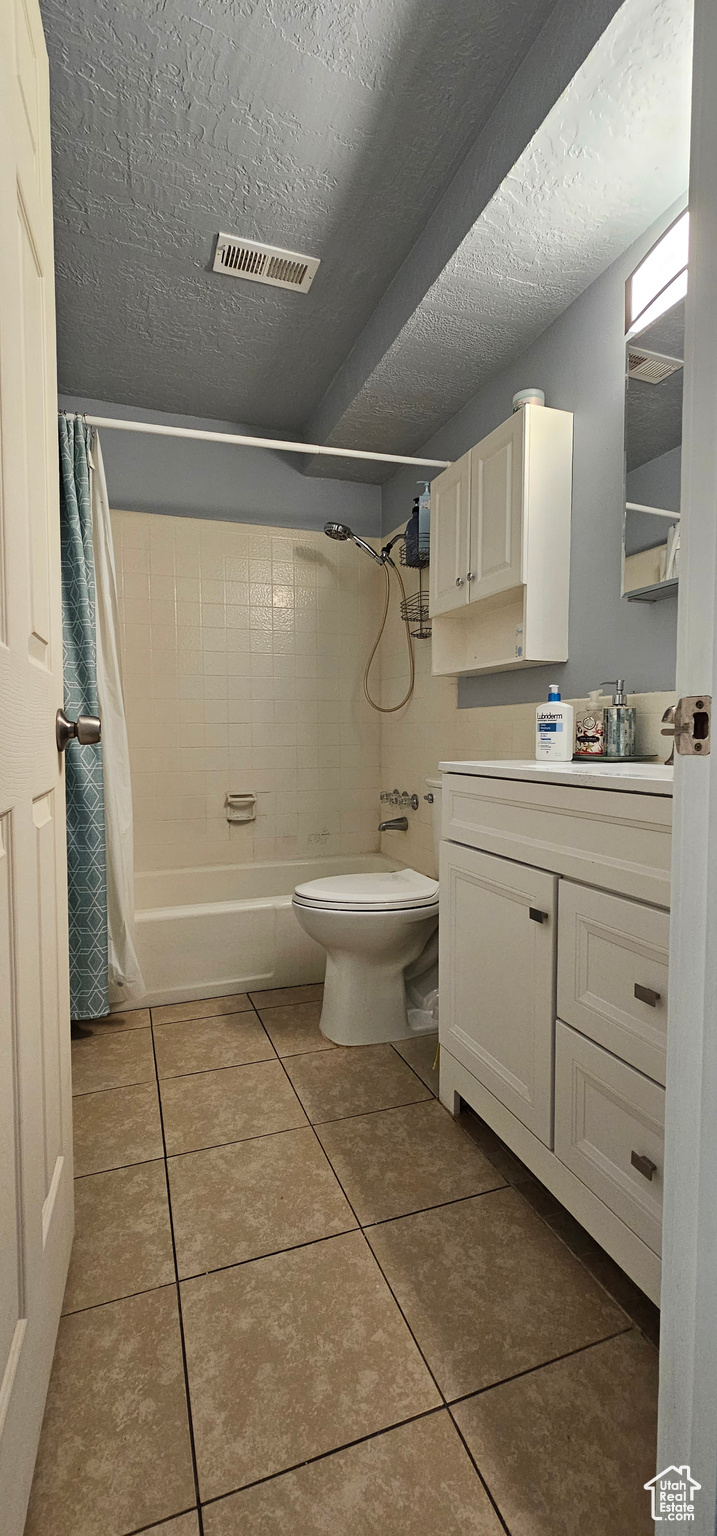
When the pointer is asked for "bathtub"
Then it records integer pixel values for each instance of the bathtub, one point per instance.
(213, 931)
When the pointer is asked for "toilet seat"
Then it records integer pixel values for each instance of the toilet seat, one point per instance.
(399, 890)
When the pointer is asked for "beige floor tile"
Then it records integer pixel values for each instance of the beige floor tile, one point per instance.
(295, 1029)
(292, 1356)
(278, 997)
(353, 1080)
(200, 1008)
(568, 1448)
(489, 1290)
(114, 1452)
(116, 1128)
(123, 1241)
(200, 1045)
(402, 1160)
(412, 1481)
(253, 1197)
(131, 1018)
(116, 1060)
(420, 1054)
(184, 1525)
(211, 1108)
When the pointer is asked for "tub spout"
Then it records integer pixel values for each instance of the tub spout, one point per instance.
(399, 824)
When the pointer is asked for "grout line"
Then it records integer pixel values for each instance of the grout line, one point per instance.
(145, 1082)
(531, 1370)
(117, 1167)
(375, 1434)
(112, 1301)
(157, 1525)
(178, 1293)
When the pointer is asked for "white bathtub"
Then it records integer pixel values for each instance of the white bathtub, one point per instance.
(210, 932)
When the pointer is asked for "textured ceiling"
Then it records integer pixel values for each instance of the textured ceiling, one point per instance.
(329, 126)
(608, 159)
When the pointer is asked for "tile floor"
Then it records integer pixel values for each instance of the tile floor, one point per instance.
(303, 1300)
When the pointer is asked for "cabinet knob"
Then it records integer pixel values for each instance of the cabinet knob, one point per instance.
(536, 916)
(459, 581)
(644, 1165)
(471, 576)
(646, 995)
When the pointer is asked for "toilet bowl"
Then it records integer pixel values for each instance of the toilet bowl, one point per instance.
(372, 927)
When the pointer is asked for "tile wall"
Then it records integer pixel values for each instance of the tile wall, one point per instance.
(243, 654)
(243, 651)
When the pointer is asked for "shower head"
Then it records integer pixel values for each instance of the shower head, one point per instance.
(342, 532)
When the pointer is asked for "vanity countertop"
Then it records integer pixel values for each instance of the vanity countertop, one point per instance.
(640, 778)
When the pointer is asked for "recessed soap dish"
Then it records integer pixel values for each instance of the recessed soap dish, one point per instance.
(240, 807)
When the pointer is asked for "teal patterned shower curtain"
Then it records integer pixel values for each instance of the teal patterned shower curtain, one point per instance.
(86, 856)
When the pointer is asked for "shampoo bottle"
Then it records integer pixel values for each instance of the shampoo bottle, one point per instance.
(554, 729)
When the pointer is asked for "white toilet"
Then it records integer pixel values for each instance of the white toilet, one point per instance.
(372, 927)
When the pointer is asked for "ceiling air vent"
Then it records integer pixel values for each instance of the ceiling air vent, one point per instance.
(651, 367)
(264, 263)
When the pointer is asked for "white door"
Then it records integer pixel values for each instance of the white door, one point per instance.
(497, 938)
(688, 1361)
(35, 1103)
(450, 537)
(496, 531)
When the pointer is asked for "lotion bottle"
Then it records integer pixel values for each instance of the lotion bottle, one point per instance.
(554, 729)
(590, 728)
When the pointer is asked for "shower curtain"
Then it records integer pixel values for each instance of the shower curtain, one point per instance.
(103, 961)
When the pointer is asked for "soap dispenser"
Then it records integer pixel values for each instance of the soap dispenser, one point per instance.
(619, 722)
(590, 728)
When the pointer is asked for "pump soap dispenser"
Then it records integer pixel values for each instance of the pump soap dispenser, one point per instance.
(619, 722)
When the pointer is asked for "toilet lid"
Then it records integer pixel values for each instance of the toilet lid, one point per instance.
(383, 892)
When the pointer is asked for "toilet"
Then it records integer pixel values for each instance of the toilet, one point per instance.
(373, 927)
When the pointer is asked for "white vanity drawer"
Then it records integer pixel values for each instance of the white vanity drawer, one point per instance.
(612, 974)
(607, 1115)
(606, 837)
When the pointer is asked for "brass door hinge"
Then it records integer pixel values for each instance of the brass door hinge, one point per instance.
(690, 722)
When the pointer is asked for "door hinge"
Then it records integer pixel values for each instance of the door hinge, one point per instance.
(690, 722)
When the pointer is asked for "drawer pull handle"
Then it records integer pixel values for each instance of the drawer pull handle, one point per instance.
(643, 1165)
(646, 995)
(536, 915)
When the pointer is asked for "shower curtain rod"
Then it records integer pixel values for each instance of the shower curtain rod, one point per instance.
(256, 442)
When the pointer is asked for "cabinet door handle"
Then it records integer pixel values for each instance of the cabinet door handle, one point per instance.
(459, 581)
(536, 915)
(644, 1165)
(646, 995)
(470, 576)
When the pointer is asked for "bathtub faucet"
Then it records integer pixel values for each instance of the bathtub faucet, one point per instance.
(399, 824)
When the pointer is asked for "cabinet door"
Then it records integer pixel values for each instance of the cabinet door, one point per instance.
(450, 543)
(496, 510)
(497, 938)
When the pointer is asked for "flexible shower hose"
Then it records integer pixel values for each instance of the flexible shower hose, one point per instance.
(390, 709)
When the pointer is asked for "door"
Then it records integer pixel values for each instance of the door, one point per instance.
(496, 516)
(497, 938)
(688, 1357)
(35, 1104)
(450, 537)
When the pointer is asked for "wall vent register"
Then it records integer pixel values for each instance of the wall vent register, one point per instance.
(260, 263)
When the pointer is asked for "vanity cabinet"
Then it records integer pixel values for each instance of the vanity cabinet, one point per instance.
(553, 985)
(500, 548)
(497, 965)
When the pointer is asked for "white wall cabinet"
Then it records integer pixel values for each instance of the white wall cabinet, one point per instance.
(554, 989)
(500, 548)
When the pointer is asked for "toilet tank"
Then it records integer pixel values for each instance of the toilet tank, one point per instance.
(433, 787)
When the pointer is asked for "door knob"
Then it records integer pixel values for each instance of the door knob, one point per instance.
(459, 581)
(86, 729)
(470, 576)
